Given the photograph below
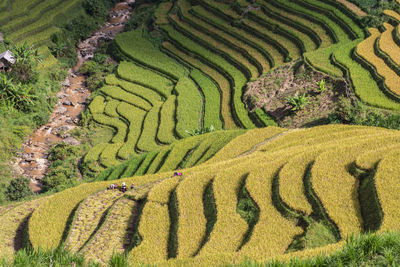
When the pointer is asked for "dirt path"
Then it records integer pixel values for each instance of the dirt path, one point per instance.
(32, 161)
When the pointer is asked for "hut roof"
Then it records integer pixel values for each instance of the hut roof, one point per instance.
(7, 55)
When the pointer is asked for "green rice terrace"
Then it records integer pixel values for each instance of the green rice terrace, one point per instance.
(249, 130)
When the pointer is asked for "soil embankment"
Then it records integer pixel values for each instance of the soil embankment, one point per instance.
(32, 161)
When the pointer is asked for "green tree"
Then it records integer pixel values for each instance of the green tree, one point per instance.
(18, 188)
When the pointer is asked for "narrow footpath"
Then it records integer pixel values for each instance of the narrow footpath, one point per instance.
(32, 161)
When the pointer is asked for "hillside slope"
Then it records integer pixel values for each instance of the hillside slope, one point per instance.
(340, 177)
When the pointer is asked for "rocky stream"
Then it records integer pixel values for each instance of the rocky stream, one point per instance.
(32, 160)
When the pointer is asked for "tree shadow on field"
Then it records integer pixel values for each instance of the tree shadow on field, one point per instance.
(21, 239)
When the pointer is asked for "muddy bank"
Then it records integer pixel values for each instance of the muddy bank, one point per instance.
(32, 160)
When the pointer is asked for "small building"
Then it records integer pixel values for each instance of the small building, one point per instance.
(6, 60)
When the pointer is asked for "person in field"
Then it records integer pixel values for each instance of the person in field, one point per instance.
(132, 186)
(123, 187)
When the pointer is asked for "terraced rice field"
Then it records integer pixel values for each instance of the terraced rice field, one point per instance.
(196, 77)
(339, 176)
(34, 21)
(343, 178)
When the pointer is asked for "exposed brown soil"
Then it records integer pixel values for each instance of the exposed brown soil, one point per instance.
(271, 91)
(32, 161)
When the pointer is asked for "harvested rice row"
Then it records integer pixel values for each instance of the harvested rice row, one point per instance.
(113, 235)
(88, 216)
(46, 237)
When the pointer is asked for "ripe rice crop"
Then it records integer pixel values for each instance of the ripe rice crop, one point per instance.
(366, 50)
(388, 45)
(160, 192)
(211, 145)
(154, 228)
(192, 222)
(393, 14)
(369, 160)
(244, 143)
(230, 228)
(273, 233)
(11, 236)
(338, 190)
(387, 186)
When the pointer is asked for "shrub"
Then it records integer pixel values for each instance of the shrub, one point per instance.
(297, 102)
(18, 189)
